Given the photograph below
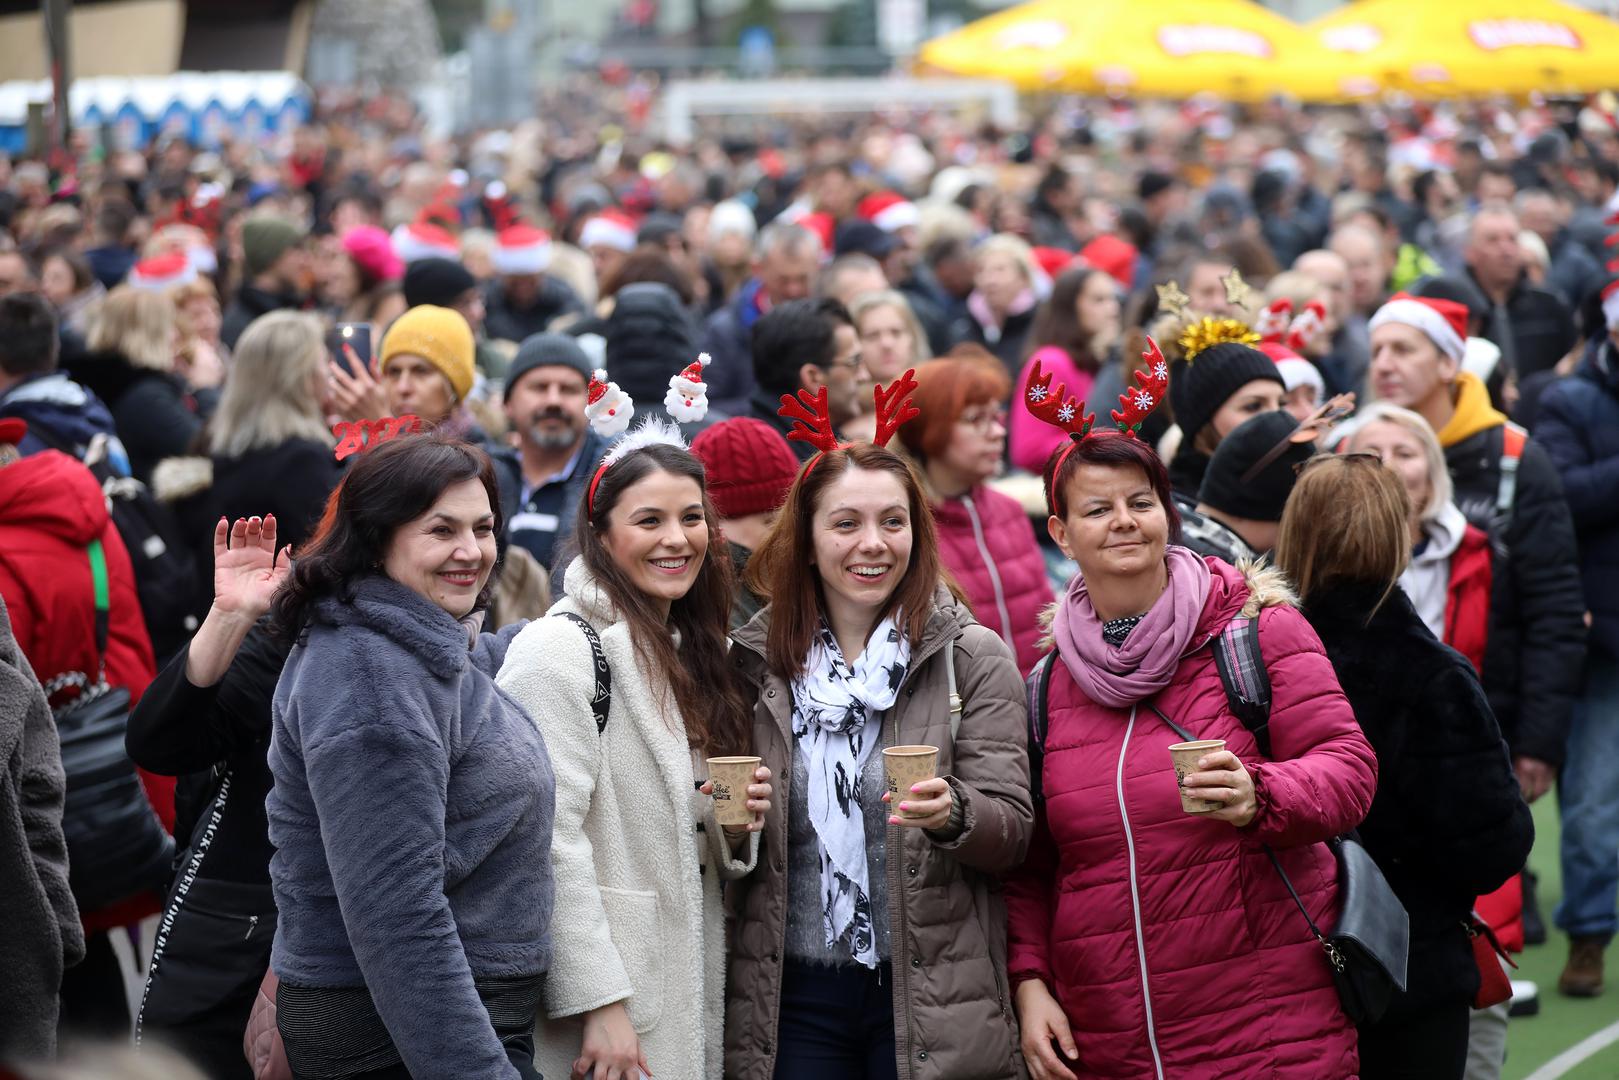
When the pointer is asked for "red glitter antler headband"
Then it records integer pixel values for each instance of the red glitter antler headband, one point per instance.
(354, 436)
(812, 419)
(1059, 410)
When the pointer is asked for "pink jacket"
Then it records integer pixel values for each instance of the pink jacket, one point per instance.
(988, 545)
(1168, 938)
(1032, 440)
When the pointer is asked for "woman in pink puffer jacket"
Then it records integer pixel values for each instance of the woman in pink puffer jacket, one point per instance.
(1145, 941)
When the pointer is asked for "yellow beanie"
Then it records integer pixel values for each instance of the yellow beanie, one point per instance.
(438, 335)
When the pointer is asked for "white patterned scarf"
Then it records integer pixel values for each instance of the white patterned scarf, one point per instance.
(837, 723)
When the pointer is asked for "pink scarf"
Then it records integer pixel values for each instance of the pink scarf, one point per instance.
(1144, 664)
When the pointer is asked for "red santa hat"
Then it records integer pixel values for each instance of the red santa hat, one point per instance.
(610, 229)
(1117, 257)
(889, 211)
(1610, 304)
(162, 272)
(522, 249)
(1444, 321)
(425, 240)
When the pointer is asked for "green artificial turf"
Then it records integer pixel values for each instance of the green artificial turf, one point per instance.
(1534, 1040)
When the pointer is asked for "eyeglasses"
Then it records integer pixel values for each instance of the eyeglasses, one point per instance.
(1363, 455)
(984, 421)
(853, 362)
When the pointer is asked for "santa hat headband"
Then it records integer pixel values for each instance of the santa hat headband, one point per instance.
(889, 211)
(162, 272)
(610, 410)
(1610, 305)
(522, 249)
(608, 230)
(1444, 321)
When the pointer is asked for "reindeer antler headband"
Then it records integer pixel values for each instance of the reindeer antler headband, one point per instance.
(1056, 408)
(812, 420)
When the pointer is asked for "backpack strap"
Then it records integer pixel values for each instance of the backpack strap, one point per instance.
(1037, 690)
(1243, 675)
(103, 593)
(601, 701)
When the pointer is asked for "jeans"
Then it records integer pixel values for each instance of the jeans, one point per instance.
(1588, 800)
(836, 1022)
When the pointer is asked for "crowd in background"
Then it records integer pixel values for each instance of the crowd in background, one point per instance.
(1430, 289)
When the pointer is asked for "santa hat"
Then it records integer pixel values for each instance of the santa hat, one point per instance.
(1610, 304)
(1052, 261)
(889, 211)
(1115, 256)
(1294, 369)
(522, 249)
(1444, 321)
(425, 240)
(822, 225)
(608, 408)
(609, 229)
(162, 271)
(687, 399)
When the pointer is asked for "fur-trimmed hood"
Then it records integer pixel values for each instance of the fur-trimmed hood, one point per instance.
(180, 478)
(1266, 587)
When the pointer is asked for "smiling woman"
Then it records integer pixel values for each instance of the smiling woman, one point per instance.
(864, 651)
(412, 804)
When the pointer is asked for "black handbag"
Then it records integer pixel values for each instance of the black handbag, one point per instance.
(1367, 950)
(117, 847)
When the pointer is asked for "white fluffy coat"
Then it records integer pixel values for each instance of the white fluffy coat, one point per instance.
(635, 919)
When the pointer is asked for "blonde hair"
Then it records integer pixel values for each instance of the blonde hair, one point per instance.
(865, 303)
(200, 289)
(270, 396)
(1440, 489)
(1013, 247)
(1346, 520)
(137, 324)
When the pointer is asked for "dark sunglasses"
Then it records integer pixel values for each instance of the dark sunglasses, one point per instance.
(1364, 455)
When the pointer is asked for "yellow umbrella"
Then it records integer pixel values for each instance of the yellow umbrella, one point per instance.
(1153, 48)
(1452, 48)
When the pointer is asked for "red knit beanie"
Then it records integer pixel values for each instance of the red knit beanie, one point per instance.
(749, 464)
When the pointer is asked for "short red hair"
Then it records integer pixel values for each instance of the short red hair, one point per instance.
(944, 390)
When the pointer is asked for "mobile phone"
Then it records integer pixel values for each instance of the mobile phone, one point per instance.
(357, 336)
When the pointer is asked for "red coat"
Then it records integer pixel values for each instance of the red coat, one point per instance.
(1467, 625)
(50, 508)
(987, 543)
(1166, 934)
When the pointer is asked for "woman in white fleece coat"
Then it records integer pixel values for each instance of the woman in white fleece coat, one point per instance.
(637, 976)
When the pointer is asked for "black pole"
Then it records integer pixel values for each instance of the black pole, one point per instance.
(54, 16)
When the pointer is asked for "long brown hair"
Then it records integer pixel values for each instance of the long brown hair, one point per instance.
(1348, 519)
(782, 568)
(1056, 322)
(696, 672)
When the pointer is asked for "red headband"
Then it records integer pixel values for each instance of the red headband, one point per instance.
(357, 435)
(812, 419)
(1056, 408)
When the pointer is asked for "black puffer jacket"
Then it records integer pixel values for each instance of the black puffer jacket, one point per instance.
(1447, 824)
(1536, 651)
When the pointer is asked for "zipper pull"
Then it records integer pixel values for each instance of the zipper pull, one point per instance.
(252, 925)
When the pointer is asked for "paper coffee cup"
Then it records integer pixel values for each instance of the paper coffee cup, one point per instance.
(731, 777)
(907, 765)
(1185, 756)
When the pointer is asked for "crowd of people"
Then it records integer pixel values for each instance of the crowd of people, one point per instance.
(393, 530)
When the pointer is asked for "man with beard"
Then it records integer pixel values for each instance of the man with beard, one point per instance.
(544, 478)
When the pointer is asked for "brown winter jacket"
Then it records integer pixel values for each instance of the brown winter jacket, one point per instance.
(953, 1015)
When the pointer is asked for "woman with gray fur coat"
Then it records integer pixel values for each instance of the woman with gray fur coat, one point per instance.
(637, 977)
(40, 935)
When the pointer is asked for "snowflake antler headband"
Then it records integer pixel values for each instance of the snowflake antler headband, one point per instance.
(1056, 408)
(812, 418)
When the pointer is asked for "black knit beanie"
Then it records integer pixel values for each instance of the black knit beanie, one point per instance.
(1262, 496)
(436, 281)
(1198, 389)
(650, 337)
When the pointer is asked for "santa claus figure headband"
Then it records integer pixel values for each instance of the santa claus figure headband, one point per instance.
(812, 419)
(1055, 407)
(610, 411)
